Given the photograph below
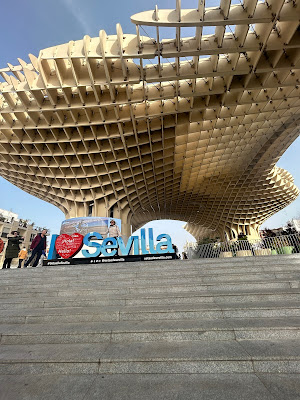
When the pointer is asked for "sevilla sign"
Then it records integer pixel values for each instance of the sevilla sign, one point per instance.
(93, 245)
(67, 246)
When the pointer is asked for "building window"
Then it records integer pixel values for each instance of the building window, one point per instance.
(5, 232)
(111, 212)
(90, 212)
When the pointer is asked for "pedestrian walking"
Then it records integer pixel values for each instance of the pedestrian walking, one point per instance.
(22, 256)
(12, 249)
(38, 245)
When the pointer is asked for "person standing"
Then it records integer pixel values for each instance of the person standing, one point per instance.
(38, 245)
(22, 255)
(12, 249)
(113, 230)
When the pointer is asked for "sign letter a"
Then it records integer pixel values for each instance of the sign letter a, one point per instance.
(167, 243)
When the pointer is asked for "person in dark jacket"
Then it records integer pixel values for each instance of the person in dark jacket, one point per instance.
(38, 245)
(12, 249)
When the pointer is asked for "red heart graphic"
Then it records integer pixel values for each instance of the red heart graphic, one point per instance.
(67, 246)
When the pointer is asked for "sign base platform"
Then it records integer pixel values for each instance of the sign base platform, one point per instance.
(108, 260)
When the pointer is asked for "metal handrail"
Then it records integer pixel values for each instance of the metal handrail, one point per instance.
(285, 244)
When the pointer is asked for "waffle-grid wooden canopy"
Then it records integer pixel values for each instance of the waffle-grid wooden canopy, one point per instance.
(145, 128)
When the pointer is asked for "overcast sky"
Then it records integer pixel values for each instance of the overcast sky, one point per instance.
(29, 26)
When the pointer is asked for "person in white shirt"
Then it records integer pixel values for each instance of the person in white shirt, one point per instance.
(113, 230)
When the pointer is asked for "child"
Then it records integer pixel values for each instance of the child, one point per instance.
(22, 255)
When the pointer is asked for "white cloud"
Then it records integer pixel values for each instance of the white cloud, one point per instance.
(76, 11)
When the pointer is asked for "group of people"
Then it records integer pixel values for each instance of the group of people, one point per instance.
(37, 248)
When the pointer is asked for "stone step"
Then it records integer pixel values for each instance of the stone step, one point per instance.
(154, 291)
(176, 265)
(171, 265)
(234, 286)
(263, 309)
(184, 298)
(167, 288)
(159, 308)
(154, 299)
(99, 281)
(234, 386)
(187, 267)
(158, 285)
(97, 284)
(150, 312)
(231, 356)
(125, 331)
(51, 299)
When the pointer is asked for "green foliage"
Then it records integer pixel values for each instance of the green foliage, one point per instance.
(208, 240)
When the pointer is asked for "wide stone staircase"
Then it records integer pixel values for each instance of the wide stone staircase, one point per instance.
(181, 329)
